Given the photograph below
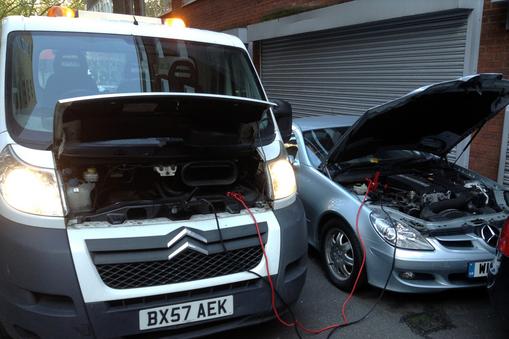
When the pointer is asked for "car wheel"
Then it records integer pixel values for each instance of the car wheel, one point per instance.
(341, 255)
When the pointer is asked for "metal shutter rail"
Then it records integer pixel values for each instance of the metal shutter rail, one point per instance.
(349, 70)
(503, 170)
(505, 179)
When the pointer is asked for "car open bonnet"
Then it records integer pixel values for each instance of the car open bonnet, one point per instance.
(432, 119)
(194, 121)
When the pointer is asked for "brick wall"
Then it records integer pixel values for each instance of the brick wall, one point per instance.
(220, 15)
(493, 57)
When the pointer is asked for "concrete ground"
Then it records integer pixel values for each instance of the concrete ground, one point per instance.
(454, 314)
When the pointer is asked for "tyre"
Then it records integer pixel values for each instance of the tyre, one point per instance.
(341, 255)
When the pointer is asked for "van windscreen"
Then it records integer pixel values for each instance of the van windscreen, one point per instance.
(44, 67)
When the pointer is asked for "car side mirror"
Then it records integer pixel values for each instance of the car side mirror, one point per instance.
(283, 114)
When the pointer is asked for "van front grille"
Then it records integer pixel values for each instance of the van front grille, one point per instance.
(189, 265)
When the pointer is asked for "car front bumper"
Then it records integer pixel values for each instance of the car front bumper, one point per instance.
(40, 294)
(433, 271)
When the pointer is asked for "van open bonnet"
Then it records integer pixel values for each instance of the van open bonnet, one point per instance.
(186, 122)
(432, 119)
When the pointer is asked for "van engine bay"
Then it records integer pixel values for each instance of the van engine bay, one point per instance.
(176, 190)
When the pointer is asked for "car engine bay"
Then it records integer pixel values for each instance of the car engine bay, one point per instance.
(143, 190)
(431, 193)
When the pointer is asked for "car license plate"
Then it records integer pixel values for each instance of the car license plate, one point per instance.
(186, 313)
(478, 269)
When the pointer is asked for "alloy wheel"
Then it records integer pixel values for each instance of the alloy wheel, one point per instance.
(339, 254)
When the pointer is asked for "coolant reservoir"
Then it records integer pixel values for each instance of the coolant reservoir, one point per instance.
(90, 175)
(78, 195)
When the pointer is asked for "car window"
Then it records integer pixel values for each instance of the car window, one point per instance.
(112, 70)
(320, 142)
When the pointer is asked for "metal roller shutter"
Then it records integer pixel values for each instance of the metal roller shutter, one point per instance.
(348, 70)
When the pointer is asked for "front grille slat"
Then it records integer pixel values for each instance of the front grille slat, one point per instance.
(187, 266)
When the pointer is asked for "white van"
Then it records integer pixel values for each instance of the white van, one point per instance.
(121, 141)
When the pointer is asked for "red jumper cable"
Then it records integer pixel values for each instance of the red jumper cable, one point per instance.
(372, 184)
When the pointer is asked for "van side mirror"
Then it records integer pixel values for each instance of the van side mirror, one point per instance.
(283, 115)
(291, 150)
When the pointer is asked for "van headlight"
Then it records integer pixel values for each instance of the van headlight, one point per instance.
(407, 237)
(282, 178)
(27, 188)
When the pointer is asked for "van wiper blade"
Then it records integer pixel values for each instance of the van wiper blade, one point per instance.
(150, 209)
(164, 142)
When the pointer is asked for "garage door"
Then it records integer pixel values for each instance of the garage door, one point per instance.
(348, 70)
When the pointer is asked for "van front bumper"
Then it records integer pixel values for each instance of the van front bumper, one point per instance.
(40, 295)
(39, 291)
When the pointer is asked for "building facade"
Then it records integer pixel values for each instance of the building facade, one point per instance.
(345, 56)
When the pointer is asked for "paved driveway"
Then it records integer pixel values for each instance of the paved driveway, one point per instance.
(455, 314)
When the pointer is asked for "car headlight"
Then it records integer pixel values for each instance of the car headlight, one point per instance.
(282, 178)
(29, 189)
(407, 237)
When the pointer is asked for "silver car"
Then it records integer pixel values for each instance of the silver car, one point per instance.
(439, 220)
